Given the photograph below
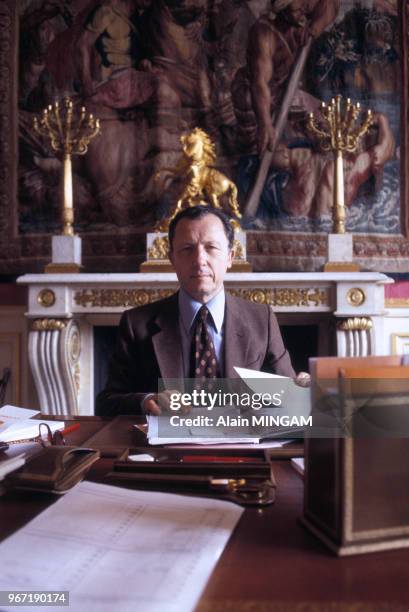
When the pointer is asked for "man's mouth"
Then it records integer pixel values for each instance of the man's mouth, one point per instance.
(201, 275)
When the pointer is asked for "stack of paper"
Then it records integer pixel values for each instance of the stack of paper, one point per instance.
(17, 424)
(158, 426)
(10, 464)
(122, 550)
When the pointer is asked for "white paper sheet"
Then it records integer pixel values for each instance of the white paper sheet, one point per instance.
(17, 424)
(119, 549)
(296, 400)
(193, 435)
(17, 412)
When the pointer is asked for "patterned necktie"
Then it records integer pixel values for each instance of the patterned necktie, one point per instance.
(204, 362)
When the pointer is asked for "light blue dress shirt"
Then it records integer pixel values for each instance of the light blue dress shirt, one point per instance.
(188, 309)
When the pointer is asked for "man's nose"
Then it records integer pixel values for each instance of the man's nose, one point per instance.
(200, 254)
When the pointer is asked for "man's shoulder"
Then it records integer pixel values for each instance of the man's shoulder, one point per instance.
(247, 305)
(264, 34)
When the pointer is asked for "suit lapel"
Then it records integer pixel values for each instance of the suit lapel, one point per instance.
(236, 337)
(168, 347)
(166, 341)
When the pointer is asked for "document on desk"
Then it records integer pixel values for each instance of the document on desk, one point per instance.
(158, 427)
(120, 549)
(17, 423)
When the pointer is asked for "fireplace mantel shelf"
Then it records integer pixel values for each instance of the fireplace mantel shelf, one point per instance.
(65, 295)
(160, 277)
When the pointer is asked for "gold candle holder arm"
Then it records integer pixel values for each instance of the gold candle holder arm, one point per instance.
(337, 130)
(69, 134)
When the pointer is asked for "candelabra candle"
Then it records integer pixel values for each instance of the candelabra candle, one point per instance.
(69, 133)
(338, 129)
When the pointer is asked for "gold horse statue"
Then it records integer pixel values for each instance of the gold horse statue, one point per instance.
(200, 180)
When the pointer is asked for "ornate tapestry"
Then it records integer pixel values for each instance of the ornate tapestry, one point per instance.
(152, 70)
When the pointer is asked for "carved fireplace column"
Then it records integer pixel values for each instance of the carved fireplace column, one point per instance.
(54, 354)
(360, 318)
(60, 348)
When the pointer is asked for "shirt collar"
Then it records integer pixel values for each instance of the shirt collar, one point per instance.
(188, 309)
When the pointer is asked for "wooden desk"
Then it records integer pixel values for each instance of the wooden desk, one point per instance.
(271, 563)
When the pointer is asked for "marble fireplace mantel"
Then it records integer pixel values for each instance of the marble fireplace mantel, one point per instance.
(64, 308)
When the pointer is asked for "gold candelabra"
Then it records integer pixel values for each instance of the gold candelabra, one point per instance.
(70, 134)
(338, 130)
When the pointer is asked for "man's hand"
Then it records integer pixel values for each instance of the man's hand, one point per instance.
(159, 403)
(303, 379)
(266, 138)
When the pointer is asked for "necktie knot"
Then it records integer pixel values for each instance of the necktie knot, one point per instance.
(203, 312)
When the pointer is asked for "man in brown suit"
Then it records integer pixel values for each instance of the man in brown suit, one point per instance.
(154, 341)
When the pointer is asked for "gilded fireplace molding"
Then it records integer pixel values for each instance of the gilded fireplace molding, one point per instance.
(355, 324)
(356, 296)
(48, 325)
(46, 298)
(112, 298)
(284, 297)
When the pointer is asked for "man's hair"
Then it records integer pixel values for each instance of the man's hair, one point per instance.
(198, 212)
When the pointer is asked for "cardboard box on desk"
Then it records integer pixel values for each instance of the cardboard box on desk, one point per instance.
(356, 497)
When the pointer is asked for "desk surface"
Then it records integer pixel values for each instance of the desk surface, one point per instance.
(271, 562)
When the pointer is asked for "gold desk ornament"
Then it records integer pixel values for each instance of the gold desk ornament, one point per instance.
(201, 183)
(338, 129)
(70, 134)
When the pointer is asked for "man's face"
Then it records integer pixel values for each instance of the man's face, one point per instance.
(295, 13)
(201, 256)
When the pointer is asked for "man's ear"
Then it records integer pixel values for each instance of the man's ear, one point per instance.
(230, 258)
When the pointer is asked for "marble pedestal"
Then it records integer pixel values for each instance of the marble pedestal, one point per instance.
(340, 254)
(66, 255)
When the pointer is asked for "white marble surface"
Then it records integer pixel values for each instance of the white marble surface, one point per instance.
(340, 248)
(157, 278)
(66, 249)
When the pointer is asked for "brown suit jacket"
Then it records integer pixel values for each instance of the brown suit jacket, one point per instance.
(149, 347)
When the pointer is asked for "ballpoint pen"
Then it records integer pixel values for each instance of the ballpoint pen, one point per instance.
(69, 429)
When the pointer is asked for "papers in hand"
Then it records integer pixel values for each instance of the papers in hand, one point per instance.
(266, 406)
(296, 400)
(17, 424)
